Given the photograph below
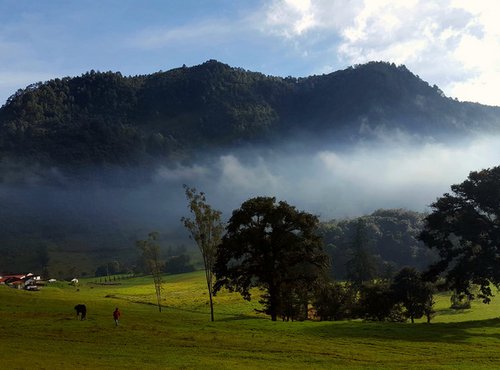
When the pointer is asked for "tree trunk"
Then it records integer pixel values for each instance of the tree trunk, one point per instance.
(158, 296)
(273, 302)
(211, 302)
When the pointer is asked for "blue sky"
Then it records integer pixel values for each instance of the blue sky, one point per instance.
(452, 43)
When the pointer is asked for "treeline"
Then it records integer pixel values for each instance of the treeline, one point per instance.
(405, 296)
(106, 118)
(389, 241)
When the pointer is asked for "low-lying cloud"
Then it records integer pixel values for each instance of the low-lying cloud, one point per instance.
(328, 182)
(346, 183)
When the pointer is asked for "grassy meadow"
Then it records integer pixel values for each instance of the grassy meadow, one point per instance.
(39, 330)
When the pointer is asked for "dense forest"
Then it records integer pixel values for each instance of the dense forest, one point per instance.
(106, 118)
(387, 240)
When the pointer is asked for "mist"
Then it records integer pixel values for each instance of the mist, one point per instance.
(115, 207)
(393, 173)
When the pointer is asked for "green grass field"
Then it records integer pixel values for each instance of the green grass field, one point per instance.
(39, 330)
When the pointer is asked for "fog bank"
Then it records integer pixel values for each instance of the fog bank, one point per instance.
(333, 184)
(390, 173)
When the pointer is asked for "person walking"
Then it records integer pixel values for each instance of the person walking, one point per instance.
(116, 315)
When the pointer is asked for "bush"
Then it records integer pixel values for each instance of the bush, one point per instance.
(459, 301)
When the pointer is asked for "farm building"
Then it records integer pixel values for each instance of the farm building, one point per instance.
(21, 281)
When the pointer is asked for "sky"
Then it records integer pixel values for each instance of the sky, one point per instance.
(454, 44)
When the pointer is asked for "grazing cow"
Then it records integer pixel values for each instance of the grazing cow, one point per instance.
(81, 310)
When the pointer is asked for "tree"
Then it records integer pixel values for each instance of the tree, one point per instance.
(206, 229)
(413, 293)
(151, 256)
(464, 227)
(272, 246)
(361, 266)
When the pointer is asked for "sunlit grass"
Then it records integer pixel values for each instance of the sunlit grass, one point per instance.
(40, 330)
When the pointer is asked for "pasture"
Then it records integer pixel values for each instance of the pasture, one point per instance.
(39, 330)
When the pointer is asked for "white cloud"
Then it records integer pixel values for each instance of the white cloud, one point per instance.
(390, 174)
(452, 43)
(295, 18)
(421, 34)
(290, 17)
(480, 53)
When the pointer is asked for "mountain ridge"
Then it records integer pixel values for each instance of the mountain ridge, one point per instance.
(104, 118)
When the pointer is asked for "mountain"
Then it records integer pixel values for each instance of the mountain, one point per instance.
(90, 164)
(106, 118)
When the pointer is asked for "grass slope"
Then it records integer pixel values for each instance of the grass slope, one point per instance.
(39, 330)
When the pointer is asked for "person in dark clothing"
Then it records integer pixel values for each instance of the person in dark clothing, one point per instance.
(116, 315)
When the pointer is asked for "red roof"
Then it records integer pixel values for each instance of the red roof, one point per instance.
(17, 276)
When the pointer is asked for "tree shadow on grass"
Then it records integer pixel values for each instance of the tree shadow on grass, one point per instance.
(222, 317)
(236, 317)
(453, 311)
(438, 332)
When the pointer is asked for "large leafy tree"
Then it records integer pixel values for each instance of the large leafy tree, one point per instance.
(272, 246)
(413, 293)
(465, 228)
(206, 229)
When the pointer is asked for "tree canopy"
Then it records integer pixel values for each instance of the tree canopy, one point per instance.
(464, 227)
(272, 246)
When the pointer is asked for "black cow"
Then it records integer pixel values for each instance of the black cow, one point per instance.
(81, 310)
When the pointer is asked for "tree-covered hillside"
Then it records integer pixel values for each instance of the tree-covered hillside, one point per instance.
(107, 118)
(387, 237)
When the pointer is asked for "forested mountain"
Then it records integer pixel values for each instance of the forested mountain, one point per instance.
(90, 164)
(106, 118)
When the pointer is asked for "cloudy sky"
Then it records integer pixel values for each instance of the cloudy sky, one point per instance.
(454, 44)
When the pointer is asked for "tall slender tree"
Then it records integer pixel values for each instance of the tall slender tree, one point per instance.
(151, 255)
(206, 230)
(361, 267)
